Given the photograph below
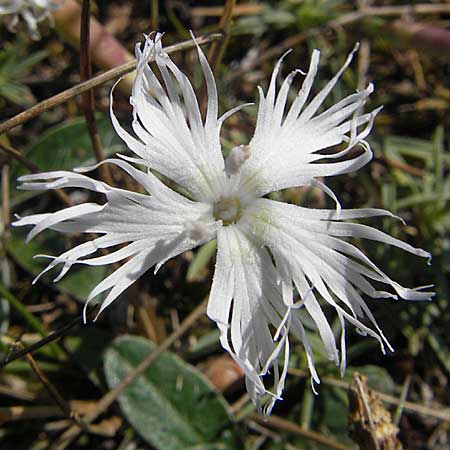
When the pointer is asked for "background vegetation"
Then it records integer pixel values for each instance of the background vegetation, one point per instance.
(48, 399)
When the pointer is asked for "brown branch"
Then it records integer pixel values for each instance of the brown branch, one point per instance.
(108, 399)
(428, 37)
(405, 167)
(5, 196)
(17, 393)
(14, 153)
(244, 9)
(88, 103)
(24, 351)
(50, 388)
(440, 413)
(282, 424)
(104, 77)
(155, 15)
(217, 49)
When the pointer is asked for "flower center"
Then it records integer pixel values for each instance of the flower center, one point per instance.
(228, 210)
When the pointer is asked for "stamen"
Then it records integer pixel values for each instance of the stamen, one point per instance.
(228, 210)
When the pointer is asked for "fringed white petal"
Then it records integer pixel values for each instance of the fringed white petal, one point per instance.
(171, 134)
(246, 303)
(284, 151)
(31, 11)
(309, 253)
(156, 227)
(279, 264)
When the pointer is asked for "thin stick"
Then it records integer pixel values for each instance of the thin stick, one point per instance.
(88, 103)
(37, 345)
(367, 411)
(282, 424)
(108, 399)
(104, 77)
(17, 155)
(4, 227)
(403, 397)
(244, 9)
(363, 63)
(407, 406)
(155, 15)
(62, 404)
(32, 321)
(415, 171)
(217, 49)
(399, 10)
(14, 153)
(5, 197)
(345, 19)
(17, 393)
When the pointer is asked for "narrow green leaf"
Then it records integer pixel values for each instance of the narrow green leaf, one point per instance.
(32, 321)
(438, 157)
(201, 259)
(64, 147)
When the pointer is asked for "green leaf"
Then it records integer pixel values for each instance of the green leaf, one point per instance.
(4, 315)
(17, 93)
(171, 405)
(377, 378)
(5, 277)
(32, 321)
(85, 348)
(201, 259)
(438, 156)
(205, 345)
(64, 147)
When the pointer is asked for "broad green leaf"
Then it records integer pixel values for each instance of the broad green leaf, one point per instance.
(171, 405)
(79, 281)
(64, 147)
(377, 377)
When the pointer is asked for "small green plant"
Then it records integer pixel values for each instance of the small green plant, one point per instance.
(15, 65)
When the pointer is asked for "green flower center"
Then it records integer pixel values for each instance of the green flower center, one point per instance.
(228, 210)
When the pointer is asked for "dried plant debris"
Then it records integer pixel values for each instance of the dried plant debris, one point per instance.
(370, 424)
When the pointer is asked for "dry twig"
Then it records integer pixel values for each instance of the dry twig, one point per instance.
(282, 424)
(104, 77)
(88, 102)
(108, 399)
(441, 413)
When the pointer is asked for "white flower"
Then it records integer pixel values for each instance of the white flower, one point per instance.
(277, 264)
(32, 11)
